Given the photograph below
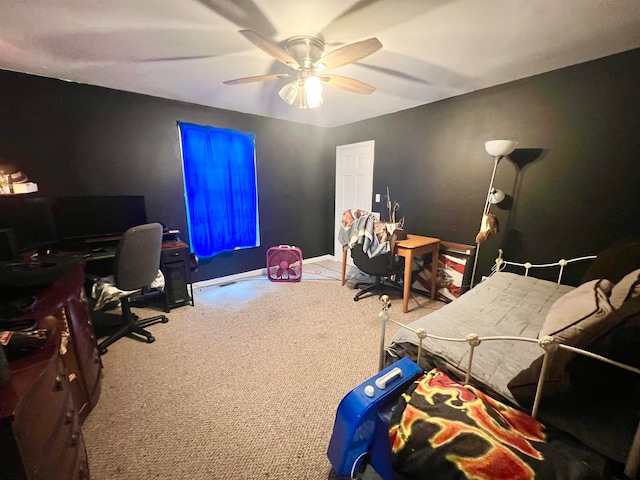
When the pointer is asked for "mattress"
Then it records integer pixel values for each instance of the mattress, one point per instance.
(505, 304)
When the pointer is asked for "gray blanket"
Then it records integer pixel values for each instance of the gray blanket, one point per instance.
(361, 227)
(503, 304)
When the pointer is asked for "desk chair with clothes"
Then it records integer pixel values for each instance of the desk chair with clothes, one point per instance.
(137, 262)
(382, 267)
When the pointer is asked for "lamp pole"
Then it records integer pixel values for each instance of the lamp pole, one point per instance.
(487, 206)
(497, 149)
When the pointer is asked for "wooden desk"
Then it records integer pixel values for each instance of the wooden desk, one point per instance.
(413, 246)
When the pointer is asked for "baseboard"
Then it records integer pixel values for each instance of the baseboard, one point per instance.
(262, 272)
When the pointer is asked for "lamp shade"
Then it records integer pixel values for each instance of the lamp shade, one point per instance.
(500, 148)
(497, 196)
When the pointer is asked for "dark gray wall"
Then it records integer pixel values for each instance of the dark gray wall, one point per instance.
(81, 140)
(572, 182)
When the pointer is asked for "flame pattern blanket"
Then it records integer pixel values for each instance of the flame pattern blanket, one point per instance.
(442, 429)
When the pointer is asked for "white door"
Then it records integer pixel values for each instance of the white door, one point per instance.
(354, 183)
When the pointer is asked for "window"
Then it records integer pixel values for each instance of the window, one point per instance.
(220, 188)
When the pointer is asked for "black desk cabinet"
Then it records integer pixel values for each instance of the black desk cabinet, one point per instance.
(175, 266)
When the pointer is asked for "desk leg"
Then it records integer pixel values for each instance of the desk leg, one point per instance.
(408, 261)
(344, 266)
(434, 271)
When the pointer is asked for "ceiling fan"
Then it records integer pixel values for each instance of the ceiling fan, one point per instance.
(304, 55)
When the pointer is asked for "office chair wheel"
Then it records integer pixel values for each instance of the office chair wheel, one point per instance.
(151, 339)
(164, 320)
(102, 350)
(356, 298)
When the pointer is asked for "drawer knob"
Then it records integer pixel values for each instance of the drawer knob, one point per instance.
(75, 437)
(59, 382)
(83, 471)
(68, 417)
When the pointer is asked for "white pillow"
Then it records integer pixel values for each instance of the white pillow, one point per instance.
(625, 289)
(573, 318)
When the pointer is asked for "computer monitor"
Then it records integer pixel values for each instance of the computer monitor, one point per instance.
(29, 221)
(93, 216)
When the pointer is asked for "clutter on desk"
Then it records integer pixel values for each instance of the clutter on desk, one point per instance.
(19, 344)
(24, 336)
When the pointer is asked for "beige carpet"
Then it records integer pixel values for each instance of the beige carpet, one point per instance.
(243, 385)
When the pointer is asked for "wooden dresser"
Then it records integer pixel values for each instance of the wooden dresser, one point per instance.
(51, 392)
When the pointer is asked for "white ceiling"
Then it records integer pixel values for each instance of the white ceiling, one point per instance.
(432, 49)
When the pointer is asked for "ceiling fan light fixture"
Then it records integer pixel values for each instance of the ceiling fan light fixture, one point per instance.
(304, 92)
(289, 92)
(305, 55)
(313, 91)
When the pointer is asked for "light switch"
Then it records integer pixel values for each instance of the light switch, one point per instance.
(377, 198)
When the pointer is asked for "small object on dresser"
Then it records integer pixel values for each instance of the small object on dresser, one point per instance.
(28, 187)
(22, 344)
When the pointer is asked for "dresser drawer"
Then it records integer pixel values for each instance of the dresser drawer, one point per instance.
(65, 449)
(42, 411)
(82, 359)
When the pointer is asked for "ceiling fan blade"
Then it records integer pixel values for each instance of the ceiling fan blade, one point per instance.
(245, 14)
(271, 48)
(349, 53)
(346, 83)
(176, 59)
(257, 78)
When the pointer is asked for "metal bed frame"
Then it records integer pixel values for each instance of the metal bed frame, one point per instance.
(548, 344)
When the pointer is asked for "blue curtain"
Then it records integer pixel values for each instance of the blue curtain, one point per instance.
(221, 190)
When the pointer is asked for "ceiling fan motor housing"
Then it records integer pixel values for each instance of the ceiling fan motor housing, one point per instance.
(307, 50)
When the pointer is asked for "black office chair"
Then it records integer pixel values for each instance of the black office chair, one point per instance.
(136, 265)
(382, 267)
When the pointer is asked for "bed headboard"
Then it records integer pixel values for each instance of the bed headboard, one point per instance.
(501, 264)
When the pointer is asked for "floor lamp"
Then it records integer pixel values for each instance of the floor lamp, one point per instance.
(497, 149)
